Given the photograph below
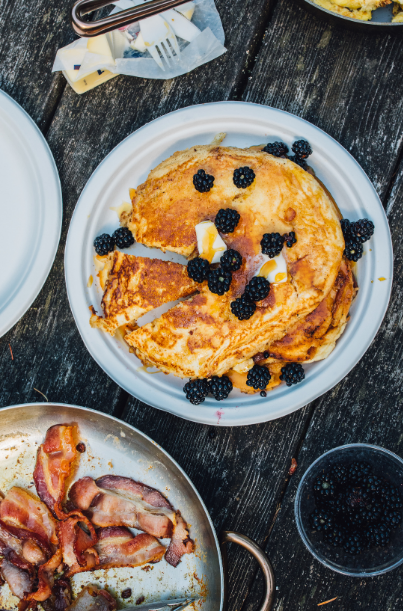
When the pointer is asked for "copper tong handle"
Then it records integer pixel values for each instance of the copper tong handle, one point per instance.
(264, 563)
(87, 29)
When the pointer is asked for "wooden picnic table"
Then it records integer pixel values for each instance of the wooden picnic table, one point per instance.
(349, 84)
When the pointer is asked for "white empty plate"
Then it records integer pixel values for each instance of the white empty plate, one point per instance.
(128, 165)
(30, 211)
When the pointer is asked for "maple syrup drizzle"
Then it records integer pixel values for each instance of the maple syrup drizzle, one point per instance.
(267, 268)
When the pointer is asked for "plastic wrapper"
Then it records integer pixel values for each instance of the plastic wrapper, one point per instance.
(88, 62)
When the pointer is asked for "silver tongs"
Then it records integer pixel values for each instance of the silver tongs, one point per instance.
(87, 29)
(174, 604)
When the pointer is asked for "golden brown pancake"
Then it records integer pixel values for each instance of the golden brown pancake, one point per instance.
(201, 337)
(136, 285)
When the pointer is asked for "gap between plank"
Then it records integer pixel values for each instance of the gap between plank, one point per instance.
(247, 70)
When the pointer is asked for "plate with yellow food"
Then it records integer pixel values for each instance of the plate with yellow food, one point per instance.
(228, 263)
(355, 14)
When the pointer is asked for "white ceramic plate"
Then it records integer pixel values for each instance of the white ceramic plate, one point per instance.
(30, 211)
(128, 165)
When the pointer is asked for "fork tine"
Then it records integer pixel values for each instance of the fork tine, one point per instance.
(169, 45)
(165, 54)
(156, 56)
(174, 43)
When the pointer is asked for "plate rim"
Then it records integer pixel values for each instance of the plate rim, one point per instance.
(46, 171)
(199, 414)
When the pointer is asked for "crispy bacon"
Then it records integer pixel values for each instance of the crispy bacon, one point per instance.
(46, 578)
(27, 518)
(181, 543)
(18, 579)
(53, 466)
(77, 546)
(92, 599)
(117, 546)
(120, 501)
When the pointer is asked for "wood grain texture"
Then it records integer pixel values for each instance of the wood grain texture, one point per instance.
(239, 472)
(30, 34)
(346, 83)
(366, 407)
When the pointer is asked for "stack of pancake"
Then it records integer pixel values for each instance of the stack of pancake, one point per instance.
(356, 9)
(299, 321)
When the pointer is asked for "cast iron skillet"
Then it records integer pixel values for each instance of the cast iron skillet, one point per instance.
(379, 22)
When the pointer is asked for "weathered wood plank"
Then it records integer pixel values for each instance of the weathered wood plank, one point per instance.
(30, 34)
(239, 472)
(365, 407)
(346, 83)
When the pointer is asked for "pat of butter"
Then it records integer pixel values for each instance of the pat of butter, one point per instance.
(100, 46)
(186, 9)
(209, 243)
(90, 81)
(274, 270)
(244, 366)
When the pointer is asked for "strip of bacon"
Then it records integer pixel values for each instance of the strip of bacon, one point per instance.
(77, 546)
(19, 580)
(117, 546)
(120, 501)
(27, 518)
(53, 466)
(92, 599)
(181, 543)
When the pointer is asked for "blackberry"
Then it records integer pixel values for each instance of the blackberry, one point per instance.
(356, 498)
(353, 250)
(243, 177)
(324, 487)
(277, 149)
(231, 260)
(123, 237)
(226, 220)
(391, 518)
(292, 373)
(242, 308)
(263, 393)
(346, 227)
(320, 520)
(340, 474)
(374, 485)
(258, 377)
(354, 543)
(301, 162)
(272, 244)
(103, 244)
(257, 289)
(220, 387)
(290, 239)
(358, 471)
(377, 535)
(335, 536)
(363, 229)
(302, 149)
(196, 391)
(392, 499)
(337, 506)
(198, 269)
(203, 182)
(372, 513)
(219, 280)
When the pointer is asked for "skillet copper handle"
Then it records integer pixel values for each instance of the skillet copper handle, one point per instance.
(87, 29)
(264, 563)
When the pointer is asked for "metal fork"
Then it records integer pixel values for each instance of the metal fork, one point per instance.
(159, 39)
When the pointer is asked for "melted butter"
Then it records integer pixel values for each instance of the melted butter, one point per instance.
(90, 281)
(145, 369)
(125, 207)
(208, 241)
(279, 277)
(99, 262)
(132, 193)
(268, 267)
